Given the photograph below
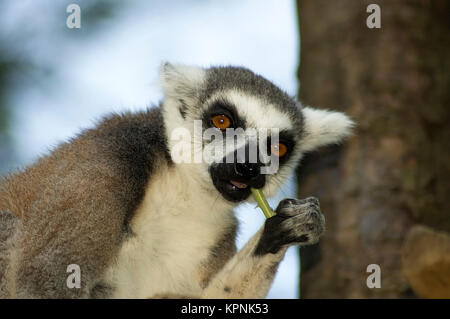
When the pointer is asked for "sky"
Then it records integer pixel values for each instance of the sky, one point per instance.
(115, 68)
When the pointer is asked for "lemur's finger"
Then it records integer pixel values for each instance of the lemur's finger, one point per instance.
(290, 207)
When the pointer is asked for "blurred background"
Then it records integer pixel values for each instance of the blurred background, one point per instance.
(384, 193)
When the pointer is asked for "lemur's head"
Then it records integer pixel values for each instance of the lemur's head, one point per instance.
(238, 130)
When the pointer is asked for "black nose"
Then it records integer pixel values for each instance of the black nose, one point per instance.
(247, 170)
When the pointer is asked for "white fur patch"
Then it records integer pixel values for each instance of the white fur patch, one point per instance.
(180, 81)
(322, 127)
(256, 112)
(175, 227)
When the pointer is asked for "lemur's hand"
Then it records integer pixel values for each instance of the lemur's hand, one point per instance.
(297, 222)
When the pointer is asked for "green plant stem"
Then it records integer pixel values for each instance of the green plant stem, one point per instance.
(262, 202)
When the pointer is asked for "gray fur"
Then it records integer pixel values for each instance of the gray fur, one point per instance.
(219, 255)
(90, 187)
(9, 226)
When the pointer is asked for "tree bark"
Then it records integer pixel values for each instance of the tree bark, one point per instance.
(395, 172)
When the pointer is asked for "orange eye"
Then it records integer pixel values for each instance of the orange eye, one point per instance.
(221, 122)
(278, 150)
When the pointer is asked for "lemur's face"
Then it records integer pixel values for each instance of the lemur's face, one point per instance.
(237, 130)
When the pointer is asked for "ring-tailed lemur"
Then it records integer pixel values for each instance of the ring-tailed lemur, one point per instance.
(138, 224)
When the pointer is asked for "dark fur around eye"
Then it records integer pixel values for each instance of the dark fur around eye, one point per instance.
(223, 108)
(287, 138)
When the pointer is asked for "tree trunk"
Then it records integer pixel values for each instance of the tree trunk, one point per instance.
(395, 172)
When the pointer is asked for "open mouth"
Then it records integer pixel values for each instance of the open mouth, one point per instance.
(238, 184)
(230, 185)
(232, 190)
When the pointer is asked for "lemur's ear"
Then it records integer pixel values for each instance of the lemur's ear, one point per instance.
(322, 127)
(181, 81)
